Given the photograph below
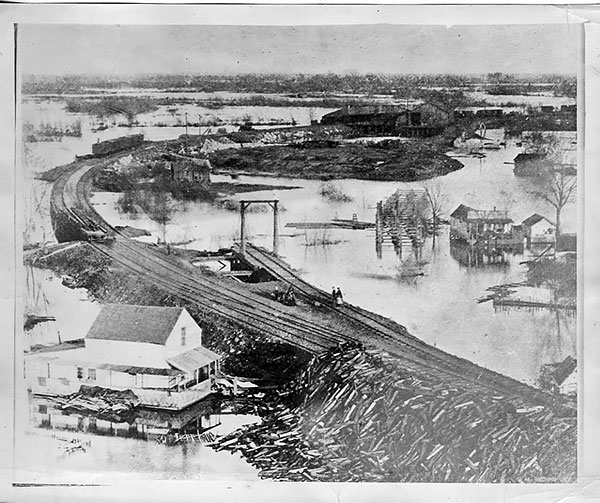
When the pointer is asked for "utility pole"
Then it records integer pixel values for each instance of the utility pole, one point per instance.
(243, 224)
(275, 227)
(378, 231)
(199, 132)
(186, 124)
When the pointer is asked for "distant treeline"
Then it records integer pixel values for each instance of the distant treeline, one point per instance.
(129, 106)
(370, 83)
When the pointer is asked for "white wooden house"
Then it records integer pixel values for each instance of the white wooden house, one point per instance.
(539, 230)
(156, 352)
(471, 225)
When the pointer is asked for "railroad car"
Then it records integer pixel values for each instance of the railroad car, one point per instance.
(113, 145)
(97, 236)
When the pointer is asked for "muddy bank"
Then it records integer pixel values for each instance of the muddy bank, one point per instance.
(387, 161)
(246, 353)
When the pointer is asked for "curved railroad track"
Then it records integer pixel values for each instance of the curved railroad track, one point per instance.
(311, 329)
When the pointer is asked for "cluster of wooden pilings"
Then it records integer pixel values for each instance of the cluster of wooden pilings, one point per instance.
(397, 222)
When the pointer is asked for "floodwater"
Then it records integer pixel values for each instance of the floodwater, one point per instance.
(440, 306)
(534, 100)
(110, 453)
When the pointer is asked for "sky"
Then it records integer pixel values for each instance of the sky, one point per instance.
(131, 50)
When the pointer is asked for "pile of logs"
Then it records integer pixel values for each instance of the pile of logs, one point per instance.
(358, 417)
(103, 403)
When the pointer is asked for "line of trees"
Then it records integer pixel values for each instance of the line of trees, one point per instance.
(287, 83)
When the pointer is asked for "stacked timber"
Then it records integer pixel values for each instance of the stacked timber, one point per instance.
(359, 417)
(103, 403)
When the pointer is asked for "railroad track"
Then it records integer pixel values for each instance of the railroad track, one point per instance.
(291, 325)
(394, 334)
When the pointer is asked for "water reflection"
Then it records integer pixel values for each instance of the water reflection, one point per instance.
(72, 447)
(145, 424)
(477, 256)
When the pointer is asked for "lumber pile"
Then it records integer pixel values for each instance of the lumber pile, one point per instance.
(359, 417)
(103, 403)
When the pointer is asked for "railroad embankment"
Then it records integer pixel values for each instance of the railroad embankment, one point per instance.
(352, 414)
(247, 353)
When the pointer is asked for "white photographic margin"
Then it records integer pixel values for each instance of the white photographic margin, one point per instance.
(581, 17)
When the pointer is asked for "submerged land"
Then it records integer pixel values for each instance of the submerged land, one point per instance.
(352, 412)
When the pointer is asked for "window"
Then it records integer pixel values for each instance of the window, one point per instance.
(183, 335)
(43, 409)
(79, 373)
(92, 374)
(48, 369)
(41, 381)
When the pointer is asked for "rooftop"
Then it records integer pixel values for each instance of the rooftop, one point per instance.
(561, 370)
(463, 212)
(123, 322)
(534, 219)
(193, 359)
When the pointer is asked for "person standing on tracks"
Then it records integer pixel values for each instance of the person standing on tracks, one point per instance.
(290, 297)
(277, 294)
(333, 296)
(339, 298)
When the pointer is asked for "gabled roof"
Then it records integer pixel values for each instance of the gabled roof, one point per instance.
(534, 219)
(523, 157)
(560, 371)
(461, 212)
(490, 216)
(123, 322)
(193, 359)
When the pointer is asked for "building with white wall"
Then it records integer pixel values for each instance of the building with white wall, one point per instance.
(156, 352)
(538, 229)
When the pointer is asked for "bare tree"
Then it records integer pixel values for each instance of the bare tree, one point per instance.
(559, 191)
(437, 204)
(160, 209)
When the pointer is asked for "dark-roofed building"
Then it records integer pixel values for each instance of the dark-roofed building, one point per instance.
(538, 230)
(189, 169)
(471, 225)
(533, 164)
(155, 351)
(421, 119)
(560, 377)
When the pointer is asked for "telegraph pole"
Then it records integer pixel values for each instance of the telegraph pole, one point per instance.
(186, 124)
(275, 227)
(243, 224)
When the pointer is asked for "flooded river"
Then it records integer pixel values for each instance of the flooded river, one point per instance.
(440, 306)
